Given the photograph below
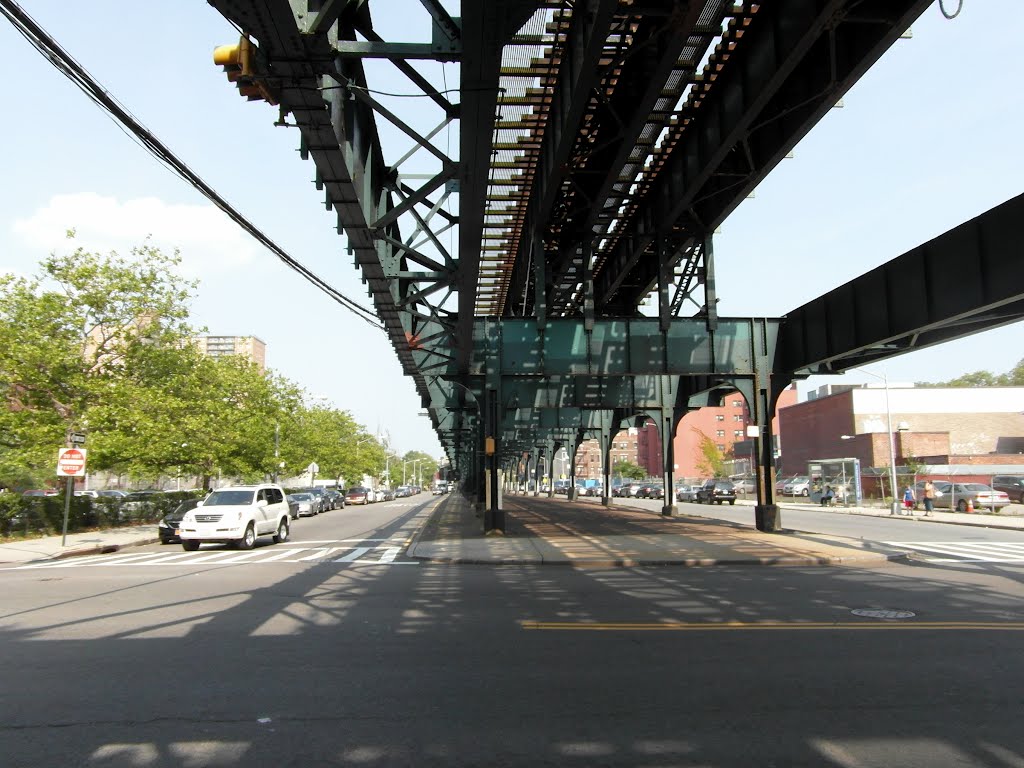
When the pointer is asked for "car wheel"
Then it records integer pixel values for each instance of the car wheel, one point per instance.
(190, 545)
(732, 502)
(248, 540)
(282, 532)
(961, 506)
(805, 492)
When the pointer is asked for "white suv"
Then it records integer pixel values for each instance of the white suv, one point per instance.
(237, 514)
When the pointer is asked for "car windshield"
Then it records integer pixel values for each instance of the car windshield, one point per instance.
(300, 496)
(223, 498)
(358, 491)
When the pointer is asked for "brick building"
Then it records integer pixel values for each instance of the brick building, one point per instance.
(725, 425)
(931, 425)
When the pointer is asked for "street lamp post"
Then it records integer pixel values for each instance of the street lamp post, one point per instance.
(894, 506)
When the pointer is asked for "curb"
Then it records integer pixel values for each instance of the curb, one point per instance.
(100, 549)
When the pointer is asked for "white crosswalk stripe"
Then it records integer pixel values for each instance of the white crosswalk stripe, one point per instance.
(966, 551)
(375, 554)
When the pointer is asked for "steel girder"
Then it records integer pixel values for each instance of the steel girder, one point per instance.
(961, 282)
(796, 60)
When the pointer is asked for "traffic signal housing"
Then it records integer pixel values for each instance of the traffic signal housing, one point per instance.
(239, 62)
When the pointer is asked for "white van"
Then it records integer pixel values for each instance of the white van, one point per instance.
(237, 514)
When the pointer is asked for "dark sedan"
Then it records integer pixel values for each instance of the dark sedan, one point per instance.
(169, 526)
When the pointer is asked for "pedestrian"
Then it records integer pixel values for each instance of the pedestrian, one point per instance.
(908, 499)
(827, 496)
(929, 497)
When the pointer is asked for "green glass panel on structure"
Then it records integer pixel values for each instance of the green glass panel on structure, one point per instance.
(565, 347)
(610, 344)
(520, 351)
(646, 347)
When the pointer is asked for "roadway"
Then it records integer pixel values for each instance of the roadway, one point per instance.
(346, 660)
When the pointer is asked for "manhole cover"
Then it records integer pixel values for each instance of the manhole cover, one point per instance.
(871, 613)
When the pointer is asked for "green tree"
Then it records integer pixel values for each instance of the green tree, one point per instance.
(709, 459)
(1013, 378)
(67, 338)
(628, 470)
(421, 472)
(330, 438)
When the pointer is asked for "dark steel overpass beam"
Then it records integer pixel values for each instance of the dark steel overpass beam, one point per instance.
(964, 281)
(797, 59)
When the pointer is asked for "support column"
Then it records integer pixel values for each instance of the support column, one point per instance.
(553, 449)
(605, 441)
(667, 429)
(761, 404)
(572, 469)
(536, 472)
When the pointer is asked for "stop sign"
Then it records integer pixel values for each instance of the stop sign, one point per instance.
(71, 462)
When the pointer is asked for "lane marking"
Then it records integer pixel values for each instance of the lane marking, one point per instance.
(355, 554)
(389, 555)
(747, 626)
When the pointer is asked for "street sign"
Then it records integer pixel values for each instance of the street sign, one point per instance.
(77, 438)
(71, 462)
(313, 467)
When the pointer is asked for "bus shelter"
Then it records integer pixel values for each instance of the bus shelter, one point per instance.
(841, 475)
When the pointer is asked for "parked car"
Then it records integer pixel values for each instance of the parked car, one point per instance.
(357, 494)
(385, 494)
(744, 484)
(320, 494)
(237, 514)
(687, 492)
(403, 491)
(650, 491)
(306, 504)
(169, 527)
(592, 490)
(335, 497)
(955, 495)
(40, 492)
(138, 500)
(797, 486)
(717, 492)
(1011, 485)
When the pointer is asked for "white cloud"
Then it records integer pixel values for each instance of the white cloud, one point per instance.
(208, 240)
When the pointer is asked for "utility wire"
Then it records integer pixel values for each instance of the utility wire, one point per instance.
(77, 74)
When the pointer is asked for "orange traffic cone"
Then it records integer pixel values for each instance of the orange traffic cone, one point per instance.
(970, 505)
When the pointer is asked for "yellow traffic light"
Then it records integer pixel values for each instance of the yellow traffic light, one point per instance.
(238, 61)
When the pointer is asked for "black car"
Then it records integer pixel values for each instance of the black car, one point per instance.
(717, 492)
(1011, 485)
(171, 522)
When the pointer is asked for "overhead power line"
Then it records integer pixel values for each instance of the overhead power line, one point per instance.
(77, 74)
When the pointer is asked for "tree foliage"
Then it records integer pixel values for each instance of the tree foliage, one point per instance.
(1012, 378)
(709, 459)
(628, 470)
(102, 344)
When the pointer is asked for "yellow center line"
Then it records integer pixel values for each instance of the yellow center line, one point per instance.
(676, 626)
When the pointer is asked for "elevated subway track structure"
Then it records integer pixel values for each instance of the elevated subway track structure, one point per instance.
(600, 144)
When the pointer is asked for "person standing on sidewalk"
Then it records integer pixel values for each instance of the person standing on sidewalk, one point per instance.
(929, 497)
(908, 500)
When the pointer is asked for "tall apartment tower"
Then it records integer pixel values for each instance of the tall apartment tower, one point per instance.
(248, 347)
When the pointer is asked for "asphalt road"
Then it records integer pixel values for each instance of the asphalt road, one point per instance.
(360, 662)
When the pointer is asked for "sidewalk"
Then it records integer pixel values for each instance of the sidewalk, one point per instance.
(556, 531)
(88, 543)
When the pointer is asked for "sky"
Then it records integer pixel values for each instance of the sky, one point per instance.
(929, 138)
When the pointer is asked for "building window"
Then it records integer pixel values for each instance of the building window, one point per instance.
(720, 433)
(721, 448)
(720, 417)
(737, 417)
(737, 403)
(737, 433)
